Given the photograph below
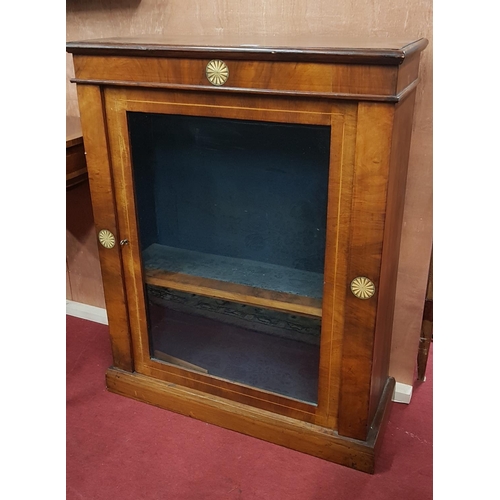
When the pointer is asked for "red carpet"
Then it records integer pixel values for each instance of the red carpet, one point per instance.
(118, 448)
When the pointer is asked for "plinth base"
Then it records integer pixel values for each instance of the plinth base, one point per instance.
(285, 431)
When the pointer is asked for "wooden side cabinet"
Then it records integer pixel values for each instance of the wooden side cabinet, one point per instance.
(248, 198)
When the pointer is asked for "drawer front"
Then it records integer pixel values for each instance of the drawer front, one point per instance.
(326, 80)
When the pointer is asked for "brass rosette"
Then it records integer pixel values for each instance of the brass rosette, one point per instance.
(217, 72)
(106, 238)
(362, 288)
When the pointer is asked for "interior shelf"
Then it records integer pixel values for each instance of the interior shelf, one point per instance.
(239, 280)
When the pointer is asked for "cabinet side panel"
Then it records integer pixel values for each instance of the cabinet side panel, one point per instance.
(103, 203)
(400, 151)
(373, 142)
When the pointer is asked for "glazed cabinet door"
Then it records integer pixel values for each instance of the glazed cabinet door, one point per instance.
(233, 227)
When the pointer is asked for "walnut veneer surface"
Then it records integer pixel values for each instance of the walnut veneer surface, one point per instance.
(364, 91)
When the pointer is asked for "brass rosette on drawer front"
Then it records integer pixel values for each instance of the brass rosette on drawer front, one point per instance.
(362, 288)
(106, 238)
(217, 72)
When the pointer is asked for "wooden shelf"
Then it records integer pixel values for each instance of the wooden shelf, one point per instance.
(159, 258)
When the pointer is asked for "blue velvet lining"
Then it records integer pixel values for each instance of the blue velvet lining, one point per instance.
(235, 188)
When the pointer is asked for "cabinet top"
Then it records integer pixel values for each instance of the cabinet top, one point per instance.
(317, 48)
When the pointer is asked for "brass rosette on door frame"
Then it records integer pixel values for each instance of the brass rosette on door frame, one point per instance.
(362, 288)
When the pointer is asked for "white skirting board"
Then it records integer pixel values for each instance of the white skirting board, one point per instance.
(84, 311)
(402, 393)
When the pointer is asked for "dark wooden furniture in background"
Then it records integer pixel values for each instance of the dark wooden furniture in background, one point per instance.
(163, 122)
(83, 272)
(427, 329)
(76, 166)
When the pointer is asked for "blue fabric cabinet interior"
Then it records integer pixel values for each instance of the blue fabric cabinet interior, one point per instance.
(240, 201)
(250, 190)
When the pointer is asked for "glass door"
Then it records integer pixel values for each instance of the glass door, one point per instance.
(236, 209)
(231, 220)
